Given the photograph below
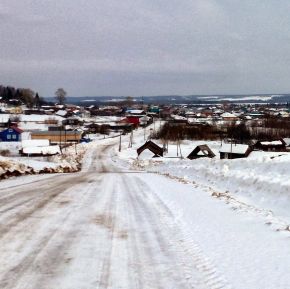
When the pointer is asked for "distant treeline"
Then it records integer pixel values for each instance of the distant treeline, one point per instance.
(17, 96)
(267, 129)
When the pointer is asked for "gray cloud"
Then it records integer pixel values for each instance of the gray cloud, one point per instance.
(147, 47)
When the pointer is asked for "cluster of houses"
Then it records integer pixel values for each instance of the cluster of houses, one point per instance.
(62, 125)
(217, 116)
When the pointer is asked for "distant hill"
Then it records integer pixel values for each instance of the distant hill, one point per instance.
(181, 99)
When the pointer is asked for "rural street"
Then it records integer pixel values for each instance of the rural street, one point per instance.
(104, 227)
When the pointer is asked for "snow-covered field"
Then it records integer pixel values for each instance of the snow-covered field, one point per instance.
(261, 180)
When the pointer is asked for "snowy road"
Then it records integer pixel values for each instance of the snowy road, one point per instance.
(101, 228)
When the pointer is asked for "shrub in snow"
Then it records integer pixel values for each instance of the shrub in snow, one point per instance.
(4, 153)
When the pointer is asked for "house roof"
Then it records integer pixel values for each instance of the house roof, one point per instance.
(234, 148)
(153, 147)
(272, 143)
(203, 149)
(4, 118)
(17, 129)
(35, 143)
(228, 115)
(68, 132)
(135, 111)
(39, 117)
(44, 150)
(61, 112)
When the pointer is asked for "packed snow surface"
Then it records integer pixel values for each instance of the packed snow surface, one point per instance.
(165, 223)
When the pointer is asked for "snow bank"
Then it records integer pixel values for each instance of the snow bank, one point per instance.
(68, 162)
(261, 180)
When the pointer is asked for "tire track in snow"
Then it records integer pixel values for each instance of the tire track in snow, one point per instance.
(106, 220)
(142, 255)
(46, 255)
(39, 203)
(192, 258)
(159, 267)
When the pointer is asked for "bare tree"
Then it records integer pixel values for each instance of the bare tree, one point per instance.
(129, 101)
(27, 96)
(60, 95)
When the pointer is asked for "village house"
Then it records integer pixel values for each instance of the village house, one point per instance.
(226, 116)
(11, 134)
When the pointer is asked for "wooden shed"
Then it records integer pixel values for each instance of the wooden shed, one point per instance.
(153, 147)
(272, 146)
(201, 151)
(234, 151)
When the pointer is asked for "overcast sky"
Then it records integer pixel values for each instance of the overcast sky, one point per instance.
(146, 47)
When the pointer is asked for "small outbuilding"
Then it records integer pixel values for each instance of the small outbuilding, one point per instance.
(201, 151)
(271, 146)
(234, 151)
(153, 147)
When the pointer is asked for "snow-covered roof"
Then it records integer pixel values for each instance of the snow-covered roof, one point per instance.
(144, 118)
(39, 117)
(35, 143)
(228, 114)
(287, 141)
(46, 150)
(4, 117)
(178, 117)
(61, 112)
(234, 148)
(135, 111)
(273, 143)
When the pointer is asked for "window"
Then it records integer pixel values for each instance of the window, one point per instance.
(14, 136)
(8, 136)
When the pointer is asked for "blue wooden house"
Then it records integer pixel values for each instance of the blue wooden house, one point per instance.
(11, 134)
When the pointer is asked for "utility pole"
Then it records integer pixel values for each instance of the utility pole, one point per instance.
(131, 140)
(120, 142)
(65, 138)
(75, 143)
(144, 132)
(60, 139)
(180, 151)
(177, 146)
